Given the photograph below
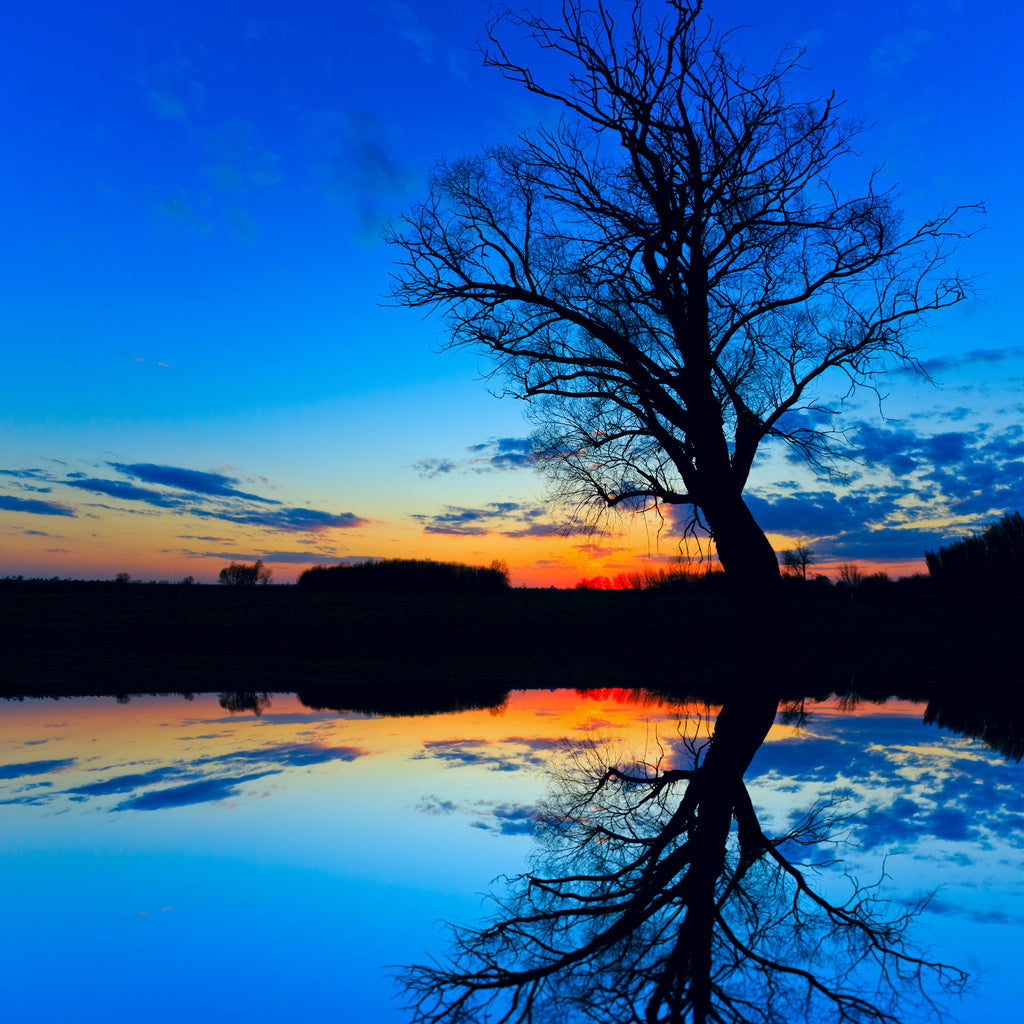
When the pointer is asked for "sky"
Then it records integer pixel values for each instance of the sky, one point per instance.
(200, 363)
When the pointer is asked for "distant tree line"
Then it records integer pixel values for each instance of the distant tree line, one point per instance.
(992, 560)
(683, 575)
(403, 575)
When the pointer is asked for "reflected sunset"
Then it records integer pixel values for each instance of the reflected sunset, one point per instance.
(162, 820)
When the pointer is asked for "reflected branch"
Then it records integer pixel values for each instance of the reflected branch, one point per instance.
(658, 897)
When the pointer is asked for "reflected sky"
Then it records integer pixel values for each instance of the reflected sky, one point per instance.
(165, 858)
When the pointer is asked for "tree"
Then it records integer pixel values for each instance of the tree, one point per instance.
(238, 574)
(798, 560)
(993, 559)
(648, 907)
(668, 273)
(850, 574)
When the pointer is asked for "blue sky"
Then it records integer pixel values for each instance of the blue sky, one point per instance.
(198, 363)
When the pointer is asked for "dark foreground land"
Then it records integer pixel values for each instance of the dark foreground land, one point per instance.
(71, 638)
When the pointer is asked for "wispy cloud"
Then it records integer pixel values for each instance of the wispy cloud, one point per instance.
(197, 482)
(203, 792)
(17, 771)
(357, 164)
(202, 493)
(34, 506)
(124, 491)
(939, 365)
(506, 517)
(288, 520)
(496, 455)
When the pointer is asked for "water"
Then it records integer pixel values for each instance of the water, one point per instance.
(168, 860)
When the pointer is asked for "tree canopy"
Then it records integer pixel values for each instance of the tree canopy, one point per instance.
(669, 272)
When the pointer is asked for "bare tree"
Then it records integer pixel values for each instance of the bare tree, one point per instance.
(668, 273)
(648, 907)
(850, 574)
(797, 560)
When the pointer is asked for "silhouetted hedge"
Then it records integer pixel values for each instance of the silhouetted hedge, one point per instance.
(993, 560)
(404, 575)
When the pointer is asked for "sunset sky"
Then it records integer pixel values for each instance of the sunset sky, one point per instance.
(199, 366)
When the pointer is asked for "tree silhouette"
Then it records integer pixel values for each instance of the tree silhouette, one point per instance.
(797, 560)
(993, 559)
(238, 574)
(668, 272)
(649, 906)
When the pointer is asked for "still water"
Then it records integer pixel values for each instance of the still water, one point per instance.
(166, 859)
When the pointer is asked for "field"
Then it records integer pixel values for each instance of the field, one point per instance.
(69, 638)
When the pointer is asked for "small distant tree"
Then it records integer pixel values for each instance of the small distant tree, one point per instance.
(849, 574)
(122, 577)
(797, 561)
(238, 574)
(595, 583)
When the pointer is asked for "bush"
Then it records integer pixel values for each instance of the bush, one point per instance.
(405, 575)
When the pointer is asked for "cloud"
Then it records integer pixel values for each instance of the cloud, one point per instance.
(195, 481)
(271, 760)
(812, 513)
(542, 530)
(496, 455)
(938, 365)
(17, 771)
(289, 520)
(485, 754)
(127, 783)
(466, 521)
(428, 468)
(895, 52)
(964, 477)
(495, 518)
(281, 557)
(207, 791)
(353, 156)
(287, 755)
(124, 491)
(516, 820)
(34, 506)
(435, 806)
(502, 819)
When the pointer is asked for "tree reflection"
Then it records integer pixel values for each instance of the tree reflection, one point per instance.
(657, 897)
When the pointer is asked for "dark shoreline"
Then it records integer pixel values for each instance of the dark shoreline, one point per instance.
(68, 638)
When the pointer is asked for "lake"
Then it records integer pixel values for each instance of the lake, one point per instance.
(173, 859)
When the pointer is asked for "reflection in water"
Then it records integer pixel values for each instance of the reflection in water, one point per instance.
(298, 839)
(657, 897)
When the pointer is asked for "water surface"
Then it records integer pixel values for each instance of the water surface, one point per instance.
(167, 859)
